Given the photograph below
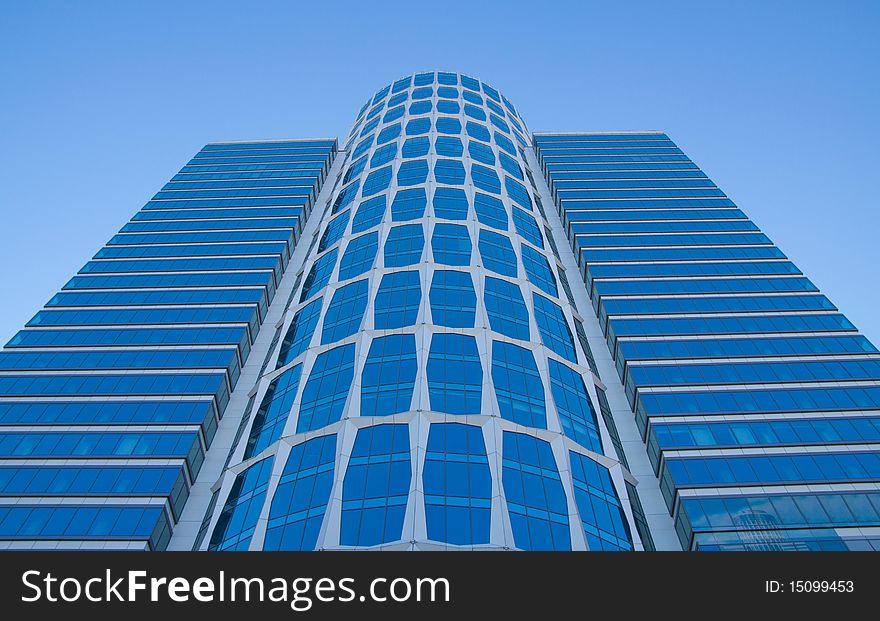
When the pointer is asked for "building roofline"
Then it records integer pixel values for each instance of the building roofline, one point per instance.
(594, 133)
(324, 138)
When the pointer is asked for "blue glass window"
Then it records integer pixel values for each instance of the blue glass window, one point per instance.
(353, 133)
(70, 444)
(398, 300)
(499, 123)
(376, 486)
(761, 400)
(273, 411)
(485, 179)
(453, 300)
(538, 270)
(448, 107)
(399, 98)
(481, 152)
(473, 111)
(301, 499)
(412, 172)
(418, 126)
(768, 432)
(814, 510)
(518, 193)
(518, 386)
(702, 285)
(368, 127)
(449, 171)
(576, 414)
(416, 147)
(401, 85)
(362, 147)
(95, 481)
(455, 375)
(389, 375)
(131, 336)
(497, 253)
(353, 171)
(448, 146)
(369, 214)
(457, 484)
(300, 332)
(506, 308)
(471, 83)
(490, 211)
(511, 165)
(447, 92)
(420, 107)
(450, 203)
(377, 181)
(24, 521)
(424, 78)
(326, 391)
(346, 310)
(227, 295)
(602, 516)
(722, 325)
(359, 256)
(527, 227)
(535, 496)
(473, 97)
(451, 244)
(522, 141)
(319, 275)
(237, 520)
(344, 198)
(334, 231)
(393, 114)
(409, 205)
(555, 333)
(717, 304)
(769, 469)
(106, 412)
(495, 107)
(448, 125)
(447, 78)
(505, 143)
(383, 155)
(478, 131)
(388, 134)
(754, 372)
(422, 93)
(404, 245)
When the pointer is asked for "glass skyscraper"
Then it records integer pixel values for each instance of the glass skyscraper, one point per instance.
(444, 332)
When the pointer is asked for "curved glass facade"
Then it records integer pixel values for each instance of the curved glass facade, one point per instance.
(427, 391)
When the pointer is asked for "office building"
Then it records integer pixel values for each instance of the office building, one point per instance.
(442, 332)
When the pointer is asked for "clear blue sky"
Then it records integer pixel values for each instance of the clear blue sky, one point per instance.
(102, 102)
